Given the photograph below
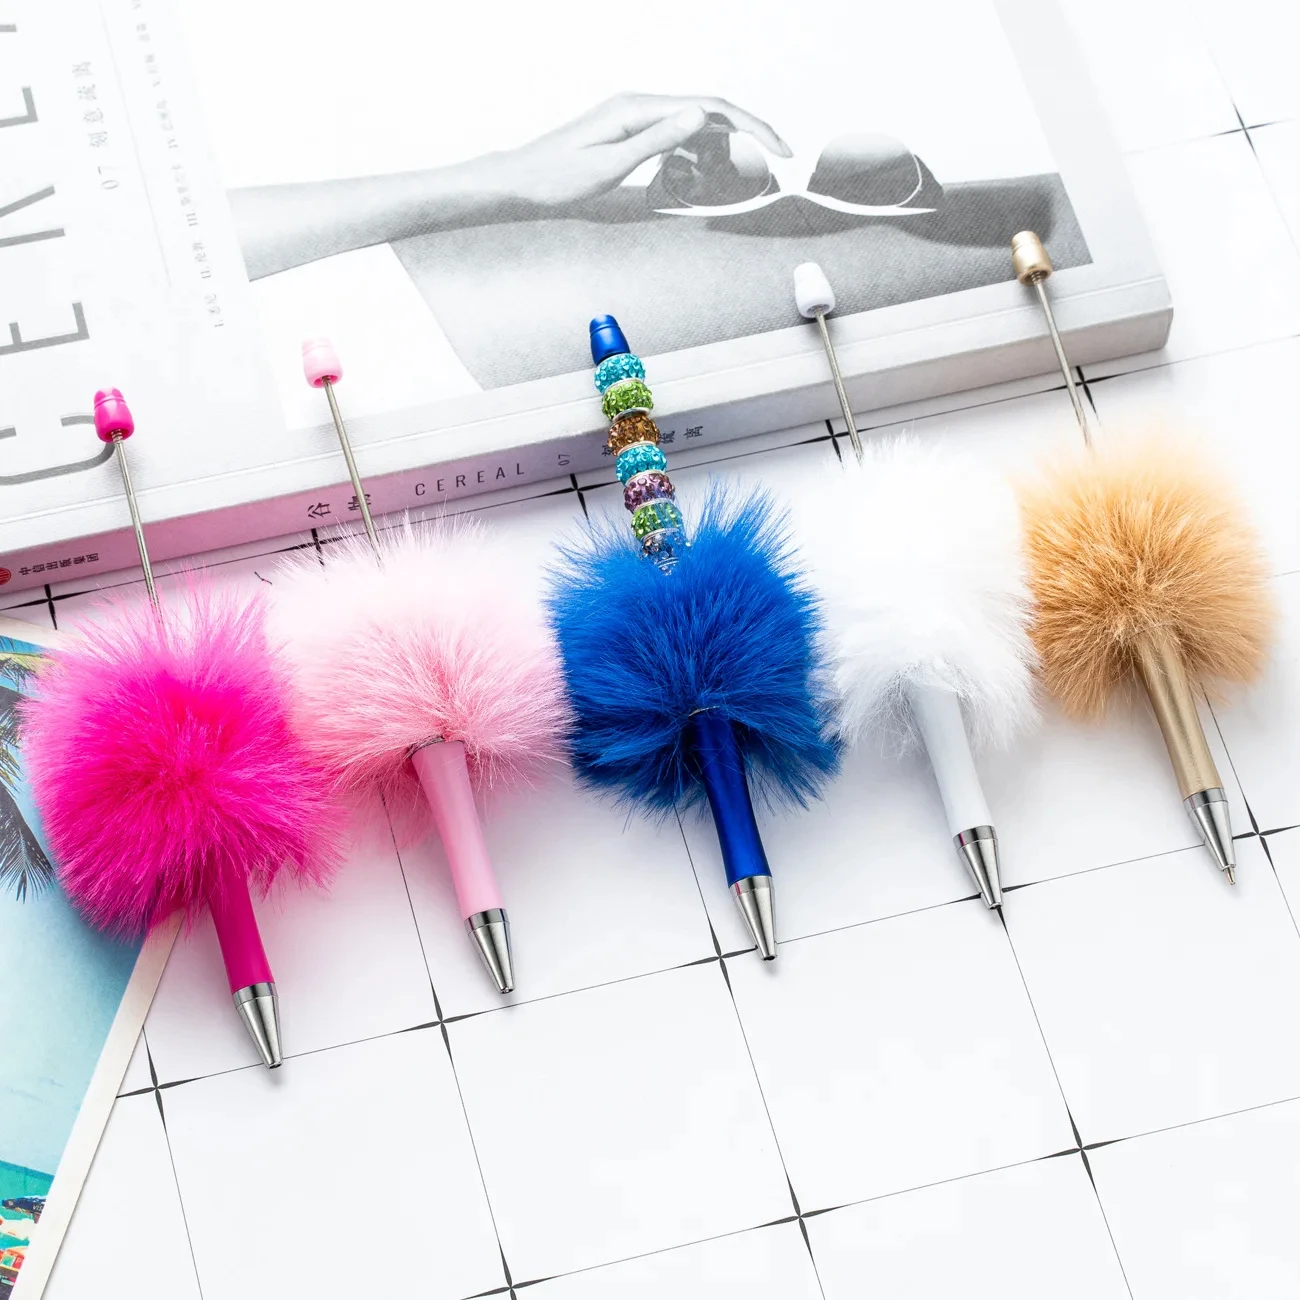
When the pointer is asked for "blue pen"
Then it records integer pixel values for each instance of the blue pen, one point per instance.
(693, 674)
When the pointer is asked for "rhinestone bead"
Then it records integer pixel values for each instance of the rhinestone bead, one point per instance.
(624, 396)
(612, 369)
(638, 459)
(655, 516)
(664, 547)
(652, 485)
(635, 426)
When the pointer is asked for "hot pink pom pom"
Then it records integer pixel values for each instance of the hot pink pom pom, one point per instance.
(437, 640)
(163, 763)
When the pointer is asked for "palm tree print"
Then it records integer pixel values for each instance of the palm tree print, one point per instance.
(24, 865)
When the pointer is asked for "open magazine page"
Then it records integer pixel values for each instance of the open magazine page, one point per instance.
(74, 1003)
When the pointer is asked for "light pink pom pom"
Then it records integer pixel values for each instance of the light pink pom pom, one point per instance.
(439, 640)
(163, 763)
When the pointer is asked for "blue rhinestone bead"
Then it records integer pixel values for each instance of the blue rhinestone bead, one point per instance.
(665, 548)
(612, 369)
(638, 458)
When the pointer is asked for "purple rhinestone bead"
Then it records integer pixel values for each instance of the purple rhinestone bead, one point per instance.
(653, 485)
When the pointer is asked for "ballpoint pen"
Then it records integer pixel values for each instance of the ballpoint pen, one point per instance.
(1142, 565)
(165, 770)
(692, 666)
(917, 554)
(423, 670)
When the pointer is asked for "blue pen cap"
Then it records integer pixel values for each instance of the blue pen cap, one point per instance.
(607, 339)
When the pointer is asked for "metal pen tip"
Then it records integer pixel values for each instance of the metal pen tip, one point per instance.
(753, 896)
(978, 849)
(1208, 810)
(259, 1008)
(490, 931)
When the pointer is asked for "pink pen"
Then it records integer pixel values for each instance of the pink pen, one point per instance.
(441, 762)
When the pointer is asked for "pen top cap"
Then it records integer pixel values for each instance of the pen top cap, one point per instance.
(320, 363)
(812, 290)
(1029, 258)
(607, 339)
(112, 415)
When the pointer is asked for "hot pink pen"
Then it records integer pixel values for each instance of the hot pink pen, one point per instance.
(168, 776)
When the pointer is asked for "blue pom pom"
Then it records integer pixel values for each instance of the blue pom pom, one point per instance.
(733, 628)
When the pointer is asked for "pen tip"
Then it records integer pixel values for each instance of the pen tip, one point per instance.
(753, 896)
(259, 1008)
(1231, 873)
(490, 931)
(978, 848)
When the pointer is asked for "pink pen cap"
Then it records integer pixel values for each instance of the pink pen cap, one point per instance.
(113, 416)
(320, 363)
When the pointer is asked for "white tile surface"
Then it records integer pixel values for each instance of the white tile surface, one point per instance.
(1261, 727)
(899, 1053)
(1023, 1233)
(1208, 1212)
(128, 1237)
(1153, 70)
(630, 1110)
(347, 966)
(357, 1157)
(1278, 149)
(1232, 266)
(1254, 43)
(762, 1264)
(593, 895)
(1284, 852)
(1165, 994)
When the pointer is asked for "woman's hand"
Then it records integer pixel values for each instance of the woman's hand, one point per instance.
(597, 151)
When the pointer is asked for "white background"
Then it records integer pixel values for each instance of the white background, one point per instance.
(1099, 1099)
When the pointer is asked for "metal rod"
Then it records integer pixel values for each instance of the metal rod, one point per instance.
(353, 472)
(120, 444)
(1076, 398)
(854, 437)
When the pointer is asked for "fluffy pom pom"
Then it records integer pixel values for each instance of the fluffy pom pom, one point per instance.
(1142, 536)
(437, 639)
(162, 760)
(733, 627)
(916, 552)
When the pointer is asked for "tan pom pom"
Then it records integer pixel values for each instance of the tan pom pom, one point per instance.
(1141, 538)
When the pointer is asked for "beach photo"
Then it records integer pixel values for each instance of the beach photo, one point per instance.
(63, 983)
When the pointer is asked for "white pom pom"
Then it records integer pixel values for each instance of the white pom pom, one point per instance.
(917, 555)
(812, 290)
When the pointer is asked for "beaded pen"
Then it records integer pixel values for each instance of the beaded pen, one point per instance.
(694, 674)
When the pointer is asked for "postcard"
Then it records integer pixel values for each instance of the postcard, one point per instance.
(73, 1007)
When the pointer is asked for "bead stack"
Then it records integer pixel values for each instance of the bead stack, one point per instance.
(634, 439)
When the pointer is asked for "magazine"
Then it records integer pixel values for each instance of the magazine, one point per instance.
(75, 1002)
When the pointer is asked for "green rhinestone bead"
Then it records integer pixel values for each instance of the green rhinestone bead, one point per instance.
(655, 516)
(625, 396)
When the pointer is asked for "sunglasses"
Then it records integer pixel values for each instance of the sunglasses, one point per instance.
(720, 171)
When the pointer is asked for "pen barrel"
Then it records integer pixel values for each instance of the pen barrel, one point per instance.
(444, 777)
(722, 773)
(1163, 673)
(939, 719)
(239, 937)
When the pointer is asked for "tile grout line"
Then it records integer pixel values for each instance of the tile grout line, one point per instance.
(176, 1181)
(767, 1110)
(1078, 1137)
